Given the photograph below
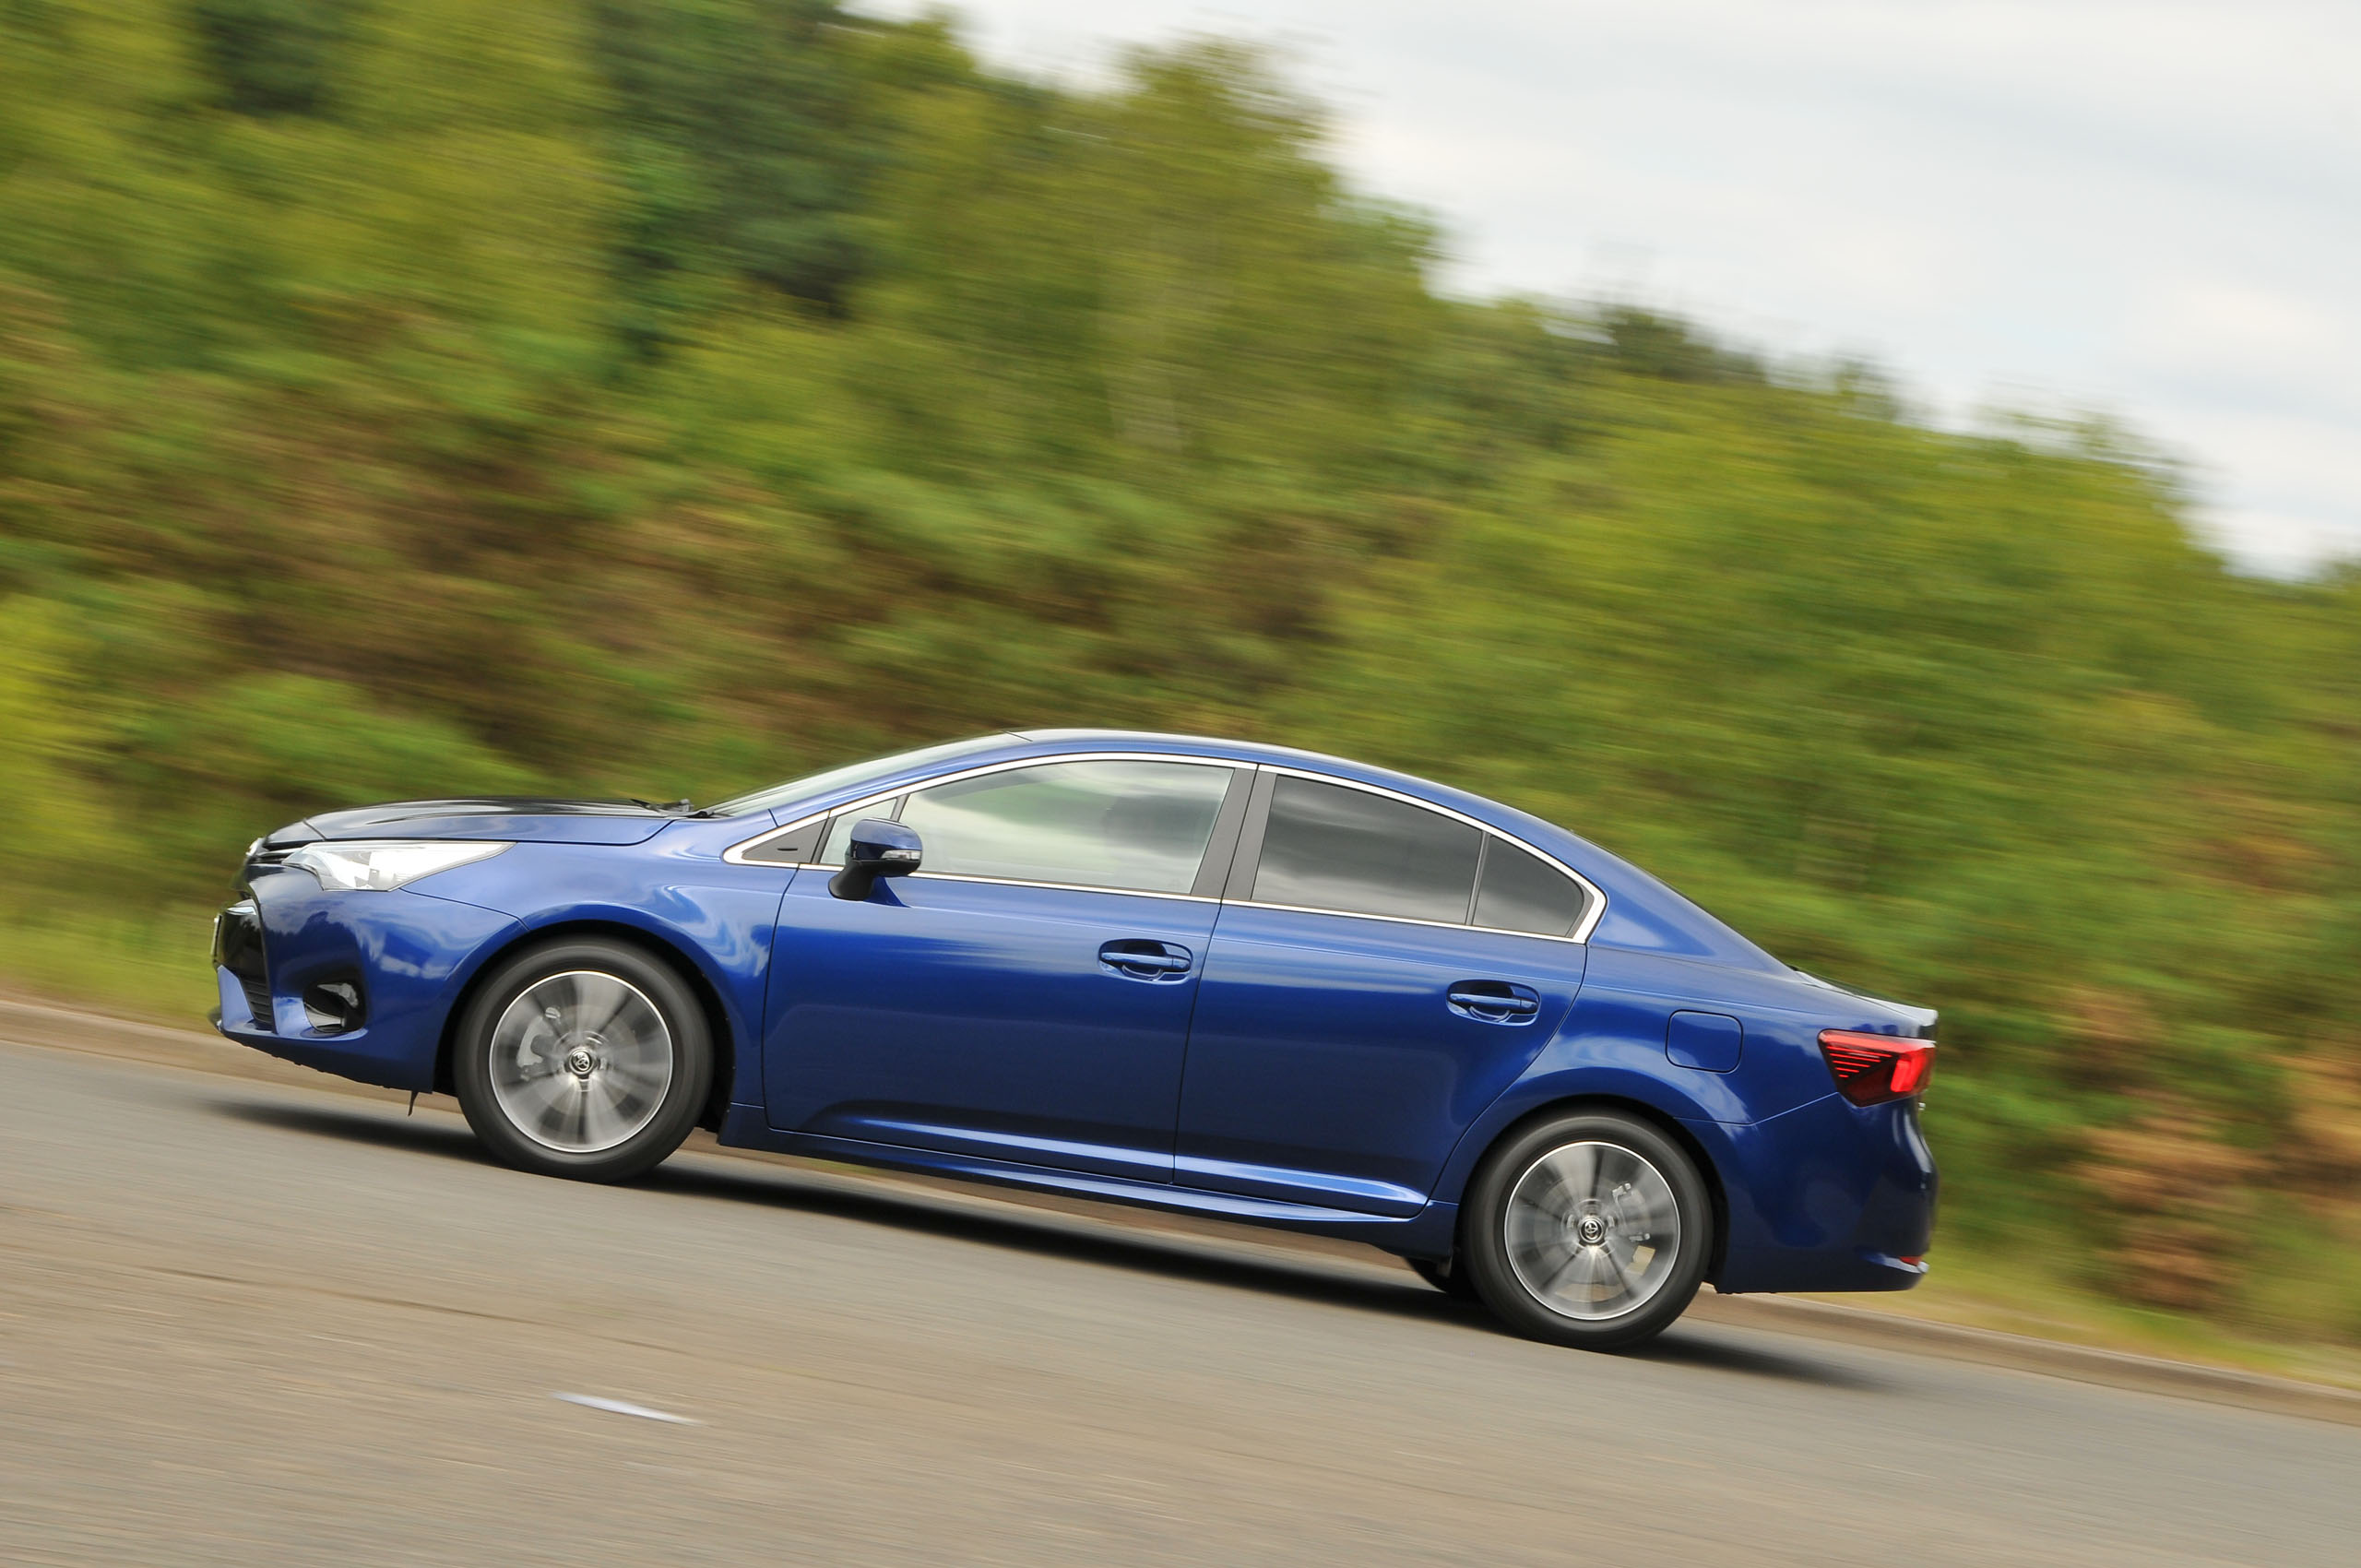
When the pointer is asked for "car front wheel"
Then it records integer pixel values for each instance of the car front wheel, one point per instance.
(584, 1057)
(1591, 1229)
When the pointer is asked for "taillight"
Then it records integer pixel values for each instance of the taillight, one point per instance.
(1871, 1069)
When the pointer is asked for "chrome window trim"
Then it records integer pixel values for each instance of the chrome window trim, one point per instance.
(1593, 901)
(736, 854)
(1393, 919)
(1055, 887)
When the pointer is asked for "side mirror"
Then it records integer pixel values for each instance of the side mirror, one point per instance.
(876, 848)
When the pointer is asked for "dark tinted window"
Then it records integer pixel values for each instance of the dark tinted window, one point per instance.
(1522, 892)
(1330, 848)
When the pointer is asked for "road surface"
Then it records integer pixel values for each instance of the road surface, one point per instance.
(248, 1324)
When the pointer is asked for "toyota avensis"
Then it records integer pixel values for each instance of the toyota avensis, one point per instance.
(1233, 979)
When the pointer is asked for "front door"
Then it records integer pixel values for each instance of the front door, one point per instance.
(1025, 996)
(1389, 971)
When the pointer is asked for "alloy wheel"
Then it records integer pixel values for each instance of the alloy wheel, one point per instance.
(581, 1061)
(1592, 1230)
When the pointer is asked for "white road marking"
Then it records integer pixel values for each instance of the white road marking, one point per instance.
(621, 1408)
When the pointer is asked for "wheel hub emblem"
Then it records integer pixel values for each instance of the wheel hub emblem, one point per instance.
(1590, 1230)
(581, 1062)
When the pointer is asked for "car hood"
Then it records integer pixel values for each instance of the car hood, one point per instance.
(505, 819)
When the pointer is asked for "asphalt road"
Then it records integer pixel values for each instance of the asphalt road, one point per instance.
(245, 1324)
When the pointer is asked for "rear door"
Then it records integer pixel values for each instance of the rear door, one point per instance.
(1382, 971)
(1025, 996)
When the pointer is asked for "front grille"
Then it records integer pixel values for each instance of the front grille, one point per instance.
(238, 947)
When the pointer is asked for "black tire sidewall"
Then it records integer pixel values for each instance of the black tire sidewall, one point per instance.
(683, 1099)
(1484, 1253)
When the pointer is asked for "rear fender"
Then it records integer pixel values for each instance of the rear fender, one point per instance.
(1553, 1082)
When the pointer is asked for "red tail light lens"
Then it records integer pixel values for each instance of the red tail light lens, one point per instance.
(1871, 1069)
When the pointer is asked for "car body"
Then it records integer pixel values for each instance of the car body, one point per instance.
(1232, 979)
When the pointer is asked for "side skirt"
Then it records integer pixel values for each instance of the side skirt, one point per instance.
(1427, 1233)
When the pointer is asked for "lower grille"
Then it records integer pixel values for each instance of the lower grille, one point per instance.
(237, 947)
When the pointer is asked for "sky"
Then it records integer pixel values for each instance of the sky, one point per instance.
(2145, 210)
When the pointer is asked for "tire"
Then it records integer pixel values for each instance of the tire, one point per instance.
(1566, 1225)
(1447, 1276)
(583, 1057)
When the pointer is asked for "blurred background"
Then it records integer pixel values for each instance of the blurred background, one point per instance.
(660, 397)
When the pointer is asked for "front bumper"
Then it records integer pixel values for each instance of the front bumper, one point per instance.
(403, 957)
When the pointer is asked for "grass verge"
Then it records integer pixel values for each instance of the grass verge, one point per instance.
(1978, 1288)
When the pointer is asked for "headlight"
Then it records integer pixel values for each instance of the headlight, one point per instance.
(381, 865)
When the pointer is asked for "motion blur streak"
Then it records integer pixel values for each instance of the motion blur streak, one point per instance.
(655, 397)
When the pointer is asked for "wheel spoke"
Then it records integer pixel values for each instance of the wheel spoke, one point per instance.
(1607, 1267)
(1576, 1173)
(599, 1119)
(1577, 1263)
(548, 1092)
(577, 1119)
(551, 1111)
(603, 998)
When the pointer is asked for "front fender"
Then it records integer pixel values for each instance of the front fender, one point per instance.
(718, 917)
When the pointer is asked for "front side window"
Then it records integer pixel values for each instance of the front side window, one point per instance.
(1326, 847)
(1134, 826)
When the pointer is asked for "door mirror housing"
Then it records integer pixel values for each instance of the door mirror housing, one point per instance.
(875, 847)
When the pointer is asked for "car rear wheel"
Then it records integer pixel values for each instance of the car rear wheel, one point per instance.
(585, 1058)
(1590, 1230)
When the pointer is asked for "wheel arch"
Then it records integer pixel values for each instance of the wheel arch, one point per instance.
(661, 949)
(1671, 1126)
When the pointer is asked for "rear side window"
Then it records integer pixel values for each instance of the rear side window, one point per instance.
(1522, 892)
(1326, 847)
(1134, 825)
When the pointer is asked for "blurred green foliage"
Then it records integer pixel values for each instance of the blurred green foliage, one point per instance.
(660, 396)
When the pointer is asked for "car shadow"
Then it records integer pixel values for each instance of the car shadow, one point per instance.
(423, 1135)
(1691, 1343)
(1054, 1233)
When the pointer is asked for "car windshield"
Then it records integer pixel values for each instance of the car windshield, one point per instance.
(851, 772)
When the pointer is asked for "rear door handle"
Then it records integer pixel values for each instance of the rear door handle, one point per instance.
(1147, 960)
(1494, 1001)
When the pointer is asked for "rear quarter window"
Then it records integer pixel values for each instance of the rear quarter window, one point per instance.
(1522, 892)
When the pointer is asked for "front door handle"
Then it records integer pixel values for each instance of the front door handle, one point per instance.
(1147, 960)
(1494, 1001)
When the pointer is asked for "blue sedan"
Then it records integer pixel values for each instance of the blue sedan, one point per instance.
(1231, 979)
